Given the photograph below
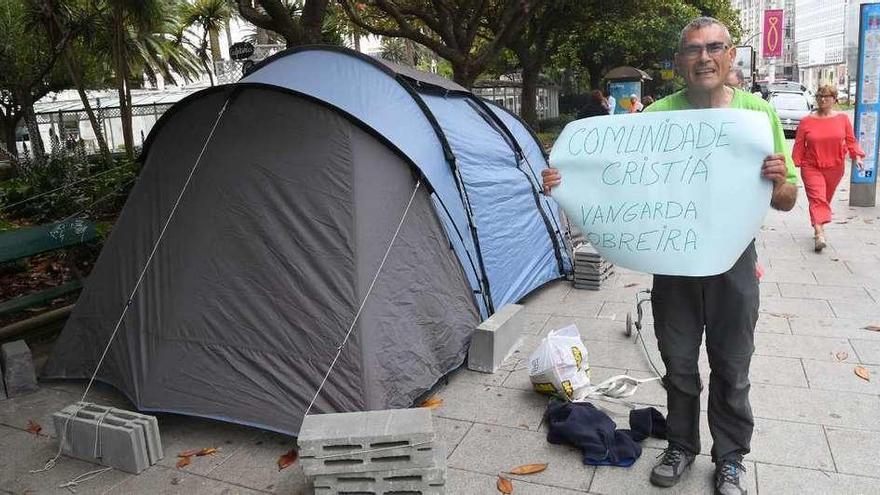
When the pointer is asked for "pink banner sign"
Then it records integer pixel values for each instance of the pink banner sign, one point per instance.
(773, 30)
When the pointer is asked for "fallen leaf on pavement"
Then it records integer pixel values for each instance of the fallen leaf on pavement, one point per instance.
(841, 356)
(504, 485)
(528, 469)
(873, 328)
(34, 427)
(863, 373)
(189, 453)
(207, 451)
(432, 402)
(183, 462)
(287, 459)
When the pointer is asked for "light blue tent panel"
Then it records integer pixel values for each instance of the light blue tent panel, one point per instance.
(519, 244)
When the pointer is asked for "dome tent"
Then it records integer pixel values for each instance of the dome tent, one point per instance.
(311, 163)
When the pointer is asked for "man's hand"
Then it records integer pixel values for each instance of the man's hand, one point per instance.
(551, 178)
(860, 163)
(784, 194)
(774, 169)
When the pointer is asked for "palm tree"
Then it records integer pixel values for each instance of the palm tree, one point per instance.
(143, 41)
(211, 16)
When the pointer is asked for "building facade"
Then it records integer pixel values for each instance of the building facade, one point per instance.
(751, 17)
(820, 30)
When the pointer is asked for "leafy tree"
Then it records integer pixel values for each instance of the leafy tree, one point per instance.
(211, 16)
(27, 73)
(300, 22)
(467, 33)
(541, 38)
(63, 21)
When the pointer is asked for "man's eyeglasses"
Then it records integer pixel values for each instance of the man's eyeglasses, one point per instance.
(713, 49)
(825, 96)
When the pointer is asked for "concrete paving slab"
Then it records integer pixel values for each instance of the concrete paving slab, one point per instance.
(627, 355)
(769, 289)
(777, 371)
(462, 482)
(450, 432)
(785, 480)
(100, 393)
(546, 298)
(823, 407)
(38, 407)
(182, 433)
(618, 311)
(465, 375)
(578, 306)
(844, 328)
(634, 480)
(799, 346)
(863, 308)
(855, 451)
(601, 329)
(533, 323)
(841, 376)
(770, 323)
(492, 405)
(825, 292)
(790, 444)
(803, 308)
(159, 480)
(492, 450)
(23, 452)
(795, 276)
(868, 350)
(255, 465)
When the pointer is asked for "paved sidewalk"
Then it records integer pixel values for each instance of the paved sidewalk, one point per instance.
(817, 424)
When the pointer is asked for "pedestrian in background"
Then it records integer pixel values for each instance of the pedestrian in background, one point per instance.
(612, 102)
(596, 105)
(735, 79)
(635, 105)
(822, 142)
(646, 101)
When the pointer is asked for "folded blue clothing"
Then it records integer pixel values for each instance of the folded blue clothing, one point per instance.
(583, 426)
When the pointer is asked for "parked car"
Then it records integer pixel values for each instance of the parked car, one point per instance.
(791, 107)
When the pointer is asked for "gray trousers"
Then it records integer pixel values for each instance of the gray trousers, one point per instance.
(726, 306)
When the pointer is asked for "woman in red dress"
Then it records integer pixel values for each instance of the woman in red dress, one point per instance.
(823, 140)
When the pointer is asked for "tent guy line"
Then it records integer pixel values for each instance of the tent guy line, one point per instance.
(366, 296)
(51, 462)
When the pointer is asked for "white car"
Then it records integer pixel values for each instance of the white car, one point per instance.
(791, 108)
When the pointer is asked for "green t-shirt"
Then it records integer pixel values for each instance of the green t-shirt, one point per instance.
(741, 99)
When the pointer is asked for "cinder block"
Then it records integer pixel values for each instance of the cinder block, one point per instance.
(18, 369)
(110, 442)
(496, 338)
(421, 481)
(364, 441)
(150, 425)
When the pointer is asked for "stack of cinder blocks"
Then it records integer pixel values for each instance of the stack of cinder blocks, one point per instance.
(17, 377)
(112, 437)
(590, 269)
(373, 453)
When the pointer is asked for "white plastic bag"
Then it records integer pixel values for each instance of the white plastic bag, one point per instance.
(560, 365)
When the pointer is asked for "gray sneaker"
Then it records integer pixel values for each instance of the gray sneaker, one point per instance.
(728, 478)
(673, 464)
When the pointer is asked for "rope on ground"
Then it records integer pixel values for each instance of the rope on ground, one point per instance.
(364, 301)
(62, 437)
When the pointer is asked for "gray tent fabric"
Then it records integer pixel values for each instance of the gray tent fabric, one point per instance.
(263, 267)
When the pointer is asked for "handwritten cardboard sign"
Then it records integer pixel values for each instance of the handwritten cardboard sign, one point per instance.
(671, 193)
